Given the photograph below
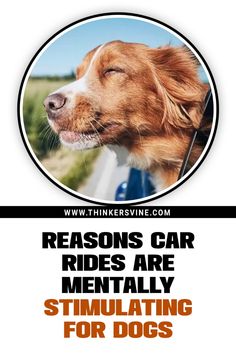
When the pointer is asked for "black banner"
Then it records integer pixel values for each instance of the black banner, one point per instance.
(118, 212)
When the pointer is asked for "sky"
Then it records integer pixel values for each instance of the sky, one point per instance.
(67, 52)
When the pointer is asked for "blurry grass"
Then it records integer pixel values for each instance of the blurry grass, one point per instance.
(70, 167)
(80, 170)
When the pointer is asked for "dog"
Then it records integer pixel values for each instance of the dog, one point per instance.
(146, 100)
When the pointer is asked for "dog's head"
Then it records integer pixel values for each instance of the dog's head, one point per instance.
(126, 91)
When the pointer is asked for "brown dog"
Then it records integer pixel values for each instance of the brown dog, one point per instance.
(146, 100)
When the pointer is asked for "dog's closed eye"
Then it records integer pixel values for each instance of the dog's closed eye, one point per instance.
(112, 71)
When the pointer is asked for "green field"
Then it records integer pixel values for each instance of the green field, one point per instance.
(69, 167)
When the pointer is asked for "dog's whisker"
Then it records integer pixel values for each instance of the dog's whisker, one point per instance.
(100, 124)
(50, 140)
(97, 133)
(46, 135)
(103, 128)
(54, 141)
(45, 129)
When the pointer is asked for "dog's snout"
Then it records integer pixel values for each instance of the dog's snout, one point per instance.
(54, 102)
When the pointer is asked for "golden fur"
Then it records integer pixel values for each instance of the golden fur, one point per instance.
(146, 100)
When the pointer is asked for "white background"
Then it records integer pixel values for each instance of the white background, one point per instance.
(205, 274)
(26, 25)
(29, 274)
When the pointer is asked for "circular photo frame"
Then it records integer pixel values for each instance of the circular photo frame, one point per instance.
(118, 108)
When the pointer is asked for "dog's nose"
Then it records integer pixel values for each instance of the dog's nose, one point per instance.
(54, 103)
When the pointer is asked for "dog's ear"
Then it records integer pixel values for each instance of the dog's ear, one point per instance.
(176, 76)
